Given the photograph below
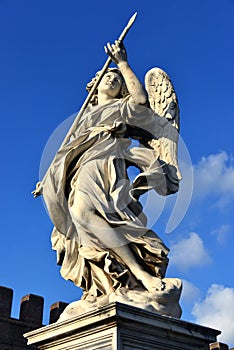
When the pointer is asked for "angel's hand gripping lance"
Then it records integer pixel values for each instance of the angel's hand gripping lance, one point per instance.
(38, 190)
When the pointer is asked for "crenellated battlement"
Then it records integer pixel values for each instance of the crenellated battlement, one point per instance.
(30, 317)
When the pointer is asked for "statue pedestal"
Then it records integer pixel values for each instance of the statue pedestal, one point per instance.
(118, 326)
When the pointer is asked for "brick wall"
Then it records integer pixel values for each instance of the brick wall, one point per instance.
(30, 317)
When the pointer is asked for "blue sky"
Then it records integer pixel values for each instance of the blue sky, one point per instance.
(49, 51)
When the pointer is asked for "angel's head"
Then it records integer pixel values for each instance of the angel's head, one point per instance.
(112, 82)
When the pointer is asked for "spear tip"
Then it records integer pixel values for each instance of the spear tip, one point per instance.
(132, 19)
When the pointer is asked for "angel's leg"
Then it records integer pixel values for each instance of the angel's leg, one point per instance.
(109, 237)
(150, 282)
(96, 230)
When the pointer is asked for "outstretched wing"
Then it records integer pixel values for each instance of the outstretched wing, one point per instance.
(164, 102)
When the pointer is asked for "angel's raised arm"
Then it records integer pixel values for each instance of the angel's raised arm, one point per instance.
(118, 54)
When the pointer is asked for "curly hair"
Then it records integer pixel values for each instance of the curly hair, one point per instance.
(123, 91)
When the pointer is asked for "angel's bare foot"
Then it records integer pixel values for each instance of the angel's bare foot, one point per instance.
(153, 283)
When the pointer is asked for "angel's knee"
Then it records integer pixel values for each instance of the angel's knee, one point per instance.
(82, 205)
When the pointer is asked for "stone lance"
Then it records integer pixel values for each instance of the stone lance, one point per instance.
(38, 191)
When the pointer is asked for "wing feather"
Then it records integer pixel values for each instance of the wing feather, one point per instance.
(163, 101)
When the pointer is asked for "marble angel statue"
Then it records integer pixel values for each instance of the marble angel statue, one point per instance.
(100, 231)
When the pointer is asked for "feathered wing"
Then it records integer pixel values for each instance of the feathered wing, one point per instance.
(163, 101)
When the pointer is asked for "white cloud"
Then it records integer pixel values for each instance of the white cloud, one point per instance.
(189, 252)
(222, 233)
(189, 292)
(214, 175)
(216, 311)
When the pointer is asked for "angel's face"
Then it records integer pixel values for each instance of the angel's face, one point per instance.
(110, 84)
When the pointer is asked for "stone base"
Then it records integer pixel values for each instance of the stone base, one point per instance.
(164, 302)
(118, 326)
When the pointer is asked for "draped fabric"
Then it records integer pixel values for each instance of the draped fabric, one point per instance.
(93, 164)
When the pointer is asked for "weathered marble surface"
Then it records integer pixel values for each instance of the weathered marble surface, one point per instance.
(164, 302)
(100, 232)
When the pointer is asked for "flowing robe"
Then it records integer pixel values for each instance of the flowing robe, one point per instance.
(94, 162)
